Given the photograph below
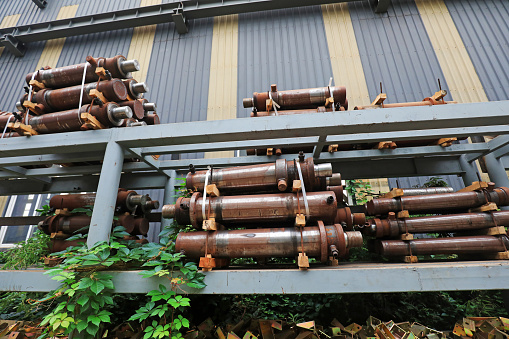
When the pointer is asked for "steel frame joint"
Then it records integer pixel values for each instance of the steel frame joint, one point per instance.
(40, 3)
(14, 46)
(180, 20)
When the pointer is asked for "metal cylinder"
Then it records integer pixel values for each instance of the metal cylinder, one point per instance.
(455, 245)
(345, 215)
(4, 118)
(438, 203)
(279, 208)
(120, 113)
(73, 75)
(136, 106)
(268, 242)
(425, 102)
(334, 180)
(134, 88)
(151, 119)
(297, 99)
(129, 66)
(427, 190)
(53, 100)
(436, 224)
(126, 201)
(271, 177)
(150, 106)
(323, 170)
(338, 191)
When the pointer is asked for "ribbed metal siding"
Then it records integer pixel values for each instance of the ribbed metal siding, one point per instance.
(283, 47)
(484, 28)
(396, 51)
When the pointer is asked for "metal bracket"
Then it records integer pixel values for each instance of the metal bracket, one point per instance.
(40, 3)
(14, 46)
(180, 20)
(380, 6)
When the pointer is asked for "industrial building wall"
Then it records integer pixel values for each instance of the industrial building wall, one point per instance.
(206, 73)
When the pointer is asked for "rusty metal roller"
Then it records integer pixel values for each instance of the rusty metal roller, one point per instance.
(110, 115)
(72, 75)
(455, 245)
(126, 200)
(320, 109)
(4, 118)
(319, 242)
(52, 100)
(263, 178)
(436, 203)
(79, 223)
(298, 98)
(280, 208)
(439, 223)
(135, 89)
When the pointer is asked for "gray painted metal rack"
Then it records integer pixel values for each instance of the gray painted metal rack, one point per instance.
(112, 146)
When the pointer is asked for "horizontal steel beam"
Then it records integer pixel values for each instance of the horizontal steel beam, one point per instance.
(177, 12)
(20, 221)
(347, 278)
(81, 183)
(417, 122)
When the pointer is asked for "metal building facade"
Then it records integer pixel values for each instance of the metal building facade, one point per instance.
(205, 73)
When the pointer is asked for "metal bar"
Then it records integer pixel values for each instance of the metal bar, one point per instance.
(497, 173)
(501, 152)
(470, 169)
(317, 150)
(45, 159)
(169, 196)
(453, 276)
(107, 189)
(177, 12)
(21, 172)
(20, 221)
(499, 146)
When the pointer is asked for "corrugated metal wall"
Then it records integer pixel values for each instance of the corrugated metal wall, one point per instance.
(484, 28)
(283, 47)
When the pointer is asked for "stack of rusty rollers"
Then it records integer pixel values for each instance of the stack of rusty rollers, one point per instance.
(132, 211)
(289, 209)
(97, 94)
(299, 101)
(467, 222)
(330, 99)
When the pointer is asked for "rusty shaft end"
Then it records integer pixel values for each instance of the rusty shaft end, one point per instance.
(139, 88)
(353, 239)
(168, 211)
(150, 106)
(248, 102)
(323, 170)
(128, 66)
(334, 179)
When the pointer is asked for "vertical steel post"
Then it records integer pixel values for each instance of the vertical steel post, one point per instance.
(169, 195)
(497, 173)
(469, 171)
(107, 189)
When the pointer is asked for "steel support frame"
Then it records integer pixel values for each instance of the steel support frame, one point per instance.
(324, 128)
(179, 12)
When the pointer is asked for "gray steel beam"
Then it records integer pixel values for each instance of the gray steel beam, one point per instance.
(178, 12)
(497, 173)
(169, 196)
(317, 150)
(469, 168)
(21, 172)
(107, 190)
(450, 276)
(498, 146)
(414, 122)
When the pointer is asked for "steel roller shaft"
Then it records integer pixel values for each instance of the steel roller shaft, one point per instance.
(319, 242)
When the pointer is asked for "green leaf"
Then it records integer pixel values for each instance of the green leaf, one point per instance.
(94, 320)
(83, 299)
(85, 283)
(97, 287)
(81, 325)
(92, 329)
(108, 300)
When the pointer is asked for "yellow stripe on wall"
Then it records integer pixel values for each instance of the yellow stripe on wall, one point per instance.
(344, 54)
(142, 43)
(8, 21)
(222, 99)
(346, 64)
(459, 71)
(53, 48)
